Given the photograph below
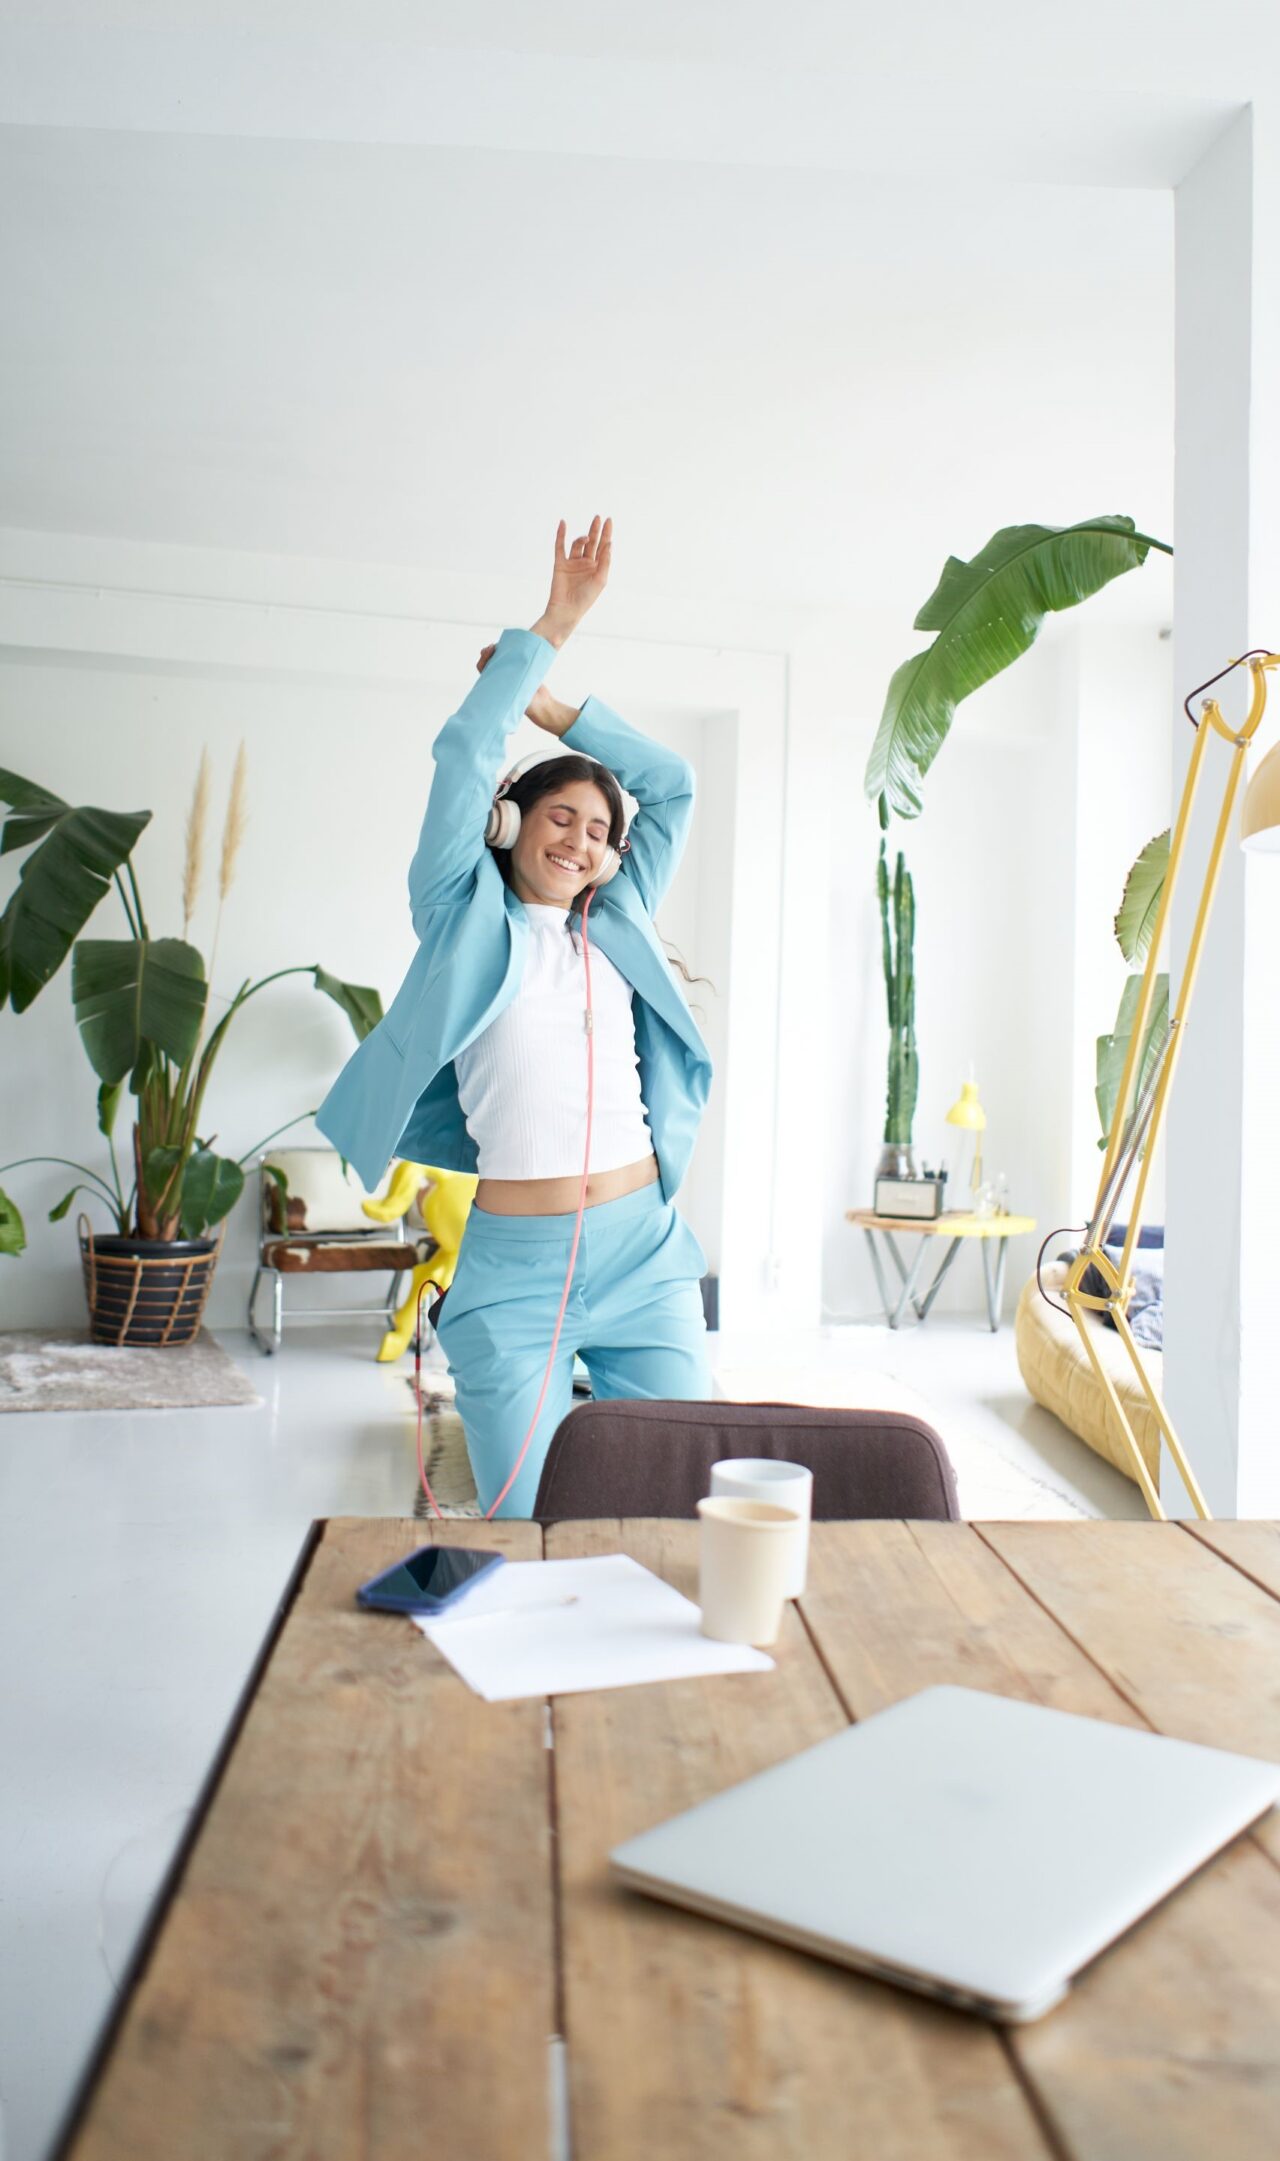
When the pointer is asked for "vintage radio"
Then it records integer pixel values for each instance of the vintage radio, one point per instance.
(918, 1200)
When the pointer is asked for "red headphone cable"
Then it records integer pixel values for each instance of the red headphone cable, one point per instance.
(428, 1284)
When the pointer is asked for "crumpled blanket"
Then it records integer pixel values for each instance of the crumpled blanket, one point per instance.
(1145, 1311)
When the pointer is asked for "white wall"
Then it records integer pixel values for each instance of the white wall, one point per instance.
(1016, 880)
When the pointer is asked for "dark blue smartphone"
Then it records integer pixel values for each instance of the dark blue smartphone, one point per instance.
(429, 1580)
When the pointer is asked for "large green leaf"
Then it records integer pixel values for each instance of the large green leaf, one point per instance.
(133, 991)
(211, 1186)
(986, 613)
(109, 1094)
(1113, 1049)
(13, 1237)
(35, 811)
(1144, 886)
(58, 1212)
(60, 886)
(359, 1001)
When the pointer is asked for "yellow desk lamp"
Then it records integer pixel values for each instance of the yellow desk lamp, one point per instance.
(1134, 1127)
(968, 1114)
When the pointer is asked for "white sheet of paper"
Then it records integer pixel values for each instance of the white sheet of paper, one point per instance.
(510, 1637)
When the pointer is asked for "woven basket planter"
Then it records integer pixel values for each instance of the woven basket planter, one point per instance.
(146, 1291)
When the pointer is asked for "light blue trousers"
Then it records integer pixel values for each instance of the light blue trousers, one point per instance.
(634, 1314)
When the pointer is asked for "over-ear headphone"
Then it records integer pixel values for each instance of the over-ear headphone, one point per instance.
(504, 820)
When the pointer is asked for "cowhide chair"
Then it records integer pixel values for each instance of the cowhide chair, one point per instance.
(317, 1227)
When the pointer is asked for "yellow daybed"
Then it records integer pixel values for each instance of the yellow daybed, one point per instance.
(1056, 1369)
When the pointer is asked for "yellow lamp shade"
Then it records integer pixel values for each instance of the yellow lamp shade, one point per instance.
(1260, 825)
(968, 1112)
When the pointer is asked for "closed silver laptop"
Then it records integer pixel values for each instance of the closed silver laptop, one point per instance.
(968, 1845)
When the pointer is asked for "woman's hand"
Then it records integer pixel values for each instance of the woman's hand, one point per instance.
(580, 577)
(577, 580)
(543, 710)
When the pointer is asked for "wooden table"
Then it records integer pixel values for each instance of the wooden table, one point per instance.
(395, 1894)
(956, 1225)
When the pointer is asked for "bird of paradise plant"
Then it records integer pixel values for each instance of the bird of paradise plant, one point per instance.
(143, 1004)
(984, 613)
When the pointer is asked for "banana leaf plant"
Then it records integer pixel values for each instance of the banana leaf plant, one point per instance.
(1134, 927)
(141, 1003)
(985, 614)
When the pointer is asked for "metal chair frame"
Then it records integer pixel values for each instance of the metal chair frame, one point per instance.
(383, 1232)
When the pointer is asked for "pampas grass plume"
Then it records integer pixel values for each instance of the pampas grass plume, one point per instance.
(234, 828)
(197, 819)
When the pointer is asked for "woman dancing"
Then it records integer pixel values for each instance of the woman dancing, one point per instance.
(521, 899)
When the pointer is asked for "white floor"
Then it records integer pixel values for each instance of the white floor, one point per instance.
(142, 1554)
(1011, 1457)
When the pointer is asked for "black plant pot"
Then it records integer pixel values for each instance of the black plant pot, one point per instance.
(147, 1291)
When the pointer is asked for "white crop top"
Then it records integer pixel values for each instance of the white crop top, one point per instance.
(522, 1083)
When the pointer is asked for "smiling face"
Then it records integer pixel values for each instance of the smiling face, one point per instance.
(561, 844)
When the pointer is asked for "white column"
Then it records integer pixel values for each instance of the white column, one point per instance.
(1117, 684)
(748, 1083)
(1222, 1328)
(818, 841)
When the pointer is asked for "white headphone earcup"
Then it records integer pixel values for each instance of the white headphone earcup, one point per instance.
(503, 824)
(610, 865)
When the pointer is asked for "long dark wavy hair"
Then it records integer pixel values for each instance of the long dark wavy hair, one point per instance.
(554, 773)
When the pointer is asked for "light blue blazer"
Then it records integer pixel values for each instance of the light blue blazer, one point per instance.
(397, 1095)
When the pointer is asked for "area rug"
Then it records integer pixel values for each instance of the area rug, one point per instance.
(444, 1451)
(46, 1369)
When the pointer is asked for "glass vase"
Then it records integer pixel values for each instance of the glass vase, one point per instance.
(897, 1160)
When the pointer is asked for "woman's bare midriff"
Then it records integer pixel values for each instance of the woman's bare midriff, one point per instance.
(559, 1196)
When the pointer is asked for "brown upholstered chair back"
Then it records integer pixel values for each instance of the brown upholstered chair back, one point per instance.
(640, 1458)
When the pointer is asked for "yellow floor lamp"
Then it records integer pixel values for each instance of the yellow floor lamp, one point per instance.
(1134, 1131)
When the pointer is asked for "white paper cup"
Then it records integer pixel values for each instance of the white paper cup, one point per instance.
(745, 1551)
(786, 1485)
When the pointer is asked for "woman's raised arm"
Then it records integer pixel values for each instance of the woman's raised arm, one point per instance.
(662, 783)
(468, 751)
(468, 757)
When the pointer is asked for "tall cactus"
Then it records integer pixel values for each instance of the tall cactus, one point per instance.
(898, 941)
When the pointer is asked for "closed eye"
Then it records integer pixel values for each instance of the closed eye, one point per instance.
(598, 830)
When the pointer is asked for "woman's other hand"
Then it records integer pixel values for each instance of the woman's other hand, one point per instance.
(543, 710)
(550, 713)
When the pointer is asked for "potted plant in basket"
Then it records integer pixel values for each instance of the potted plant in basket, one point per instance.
(143, 1007)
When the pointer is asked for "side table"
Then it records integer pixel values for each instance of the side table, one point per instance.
(955, 1226)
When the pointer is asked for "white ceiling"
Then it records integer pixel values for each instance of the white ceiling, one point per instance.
(804, 298)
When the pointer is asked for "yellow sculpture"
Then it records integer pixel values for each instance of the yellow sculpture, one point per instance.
(444, 1201)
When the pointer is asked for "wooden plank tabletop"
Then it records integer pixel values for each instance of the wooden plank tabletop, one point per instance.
(395, 1927)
